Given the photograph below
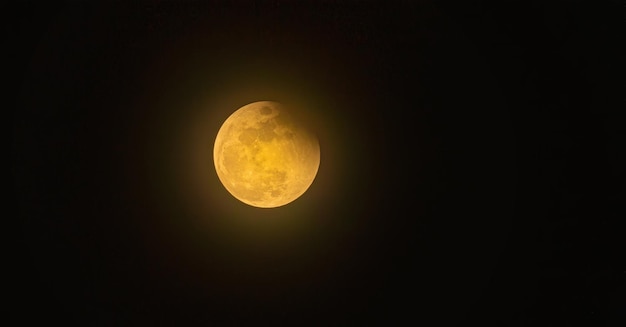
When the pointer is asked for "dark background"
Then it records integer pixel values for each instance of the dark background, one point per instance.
(472, 167)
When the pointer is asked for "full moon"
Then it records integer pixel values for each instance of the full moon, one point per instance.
(264, 156)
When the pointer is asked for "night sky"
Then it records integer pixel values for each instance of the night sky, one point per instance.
(472, 168)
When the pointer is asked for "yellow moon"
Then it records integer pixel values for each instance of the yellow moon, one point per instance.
(264, 157)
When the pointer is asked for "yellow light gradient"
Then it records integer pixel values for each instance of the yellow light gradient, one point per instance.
(264, 157)
(232, 225)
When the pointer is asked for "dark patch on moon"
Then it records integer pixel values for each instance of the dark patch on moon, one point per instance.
(248, 136)
(279, 175)
(265, 110)
(266, 132)
(286, 120)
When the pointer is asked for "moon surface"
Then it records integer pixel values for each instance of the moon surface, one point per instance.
(264, 156)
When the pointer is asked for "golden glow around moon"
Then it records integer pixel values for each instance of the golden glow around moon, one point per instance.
(264, 157)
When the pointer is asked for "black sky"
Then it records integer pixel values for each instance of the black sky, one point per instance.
(472, 164)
